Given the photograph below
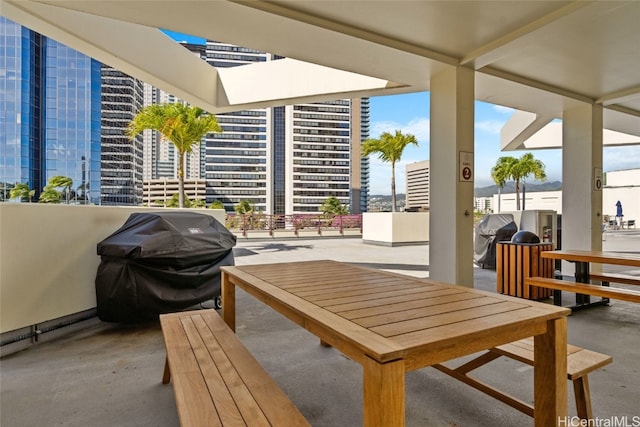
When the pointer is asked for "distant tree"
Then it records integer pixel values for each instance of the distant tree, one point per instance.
(332, 206)
(501, 173)
(389, 149)
(23, 191)
(518, 170)
(56, 187)
(216, 204)
(198, 203)
(244, 207)
(181, 124)
(50, 195)
(174, 202)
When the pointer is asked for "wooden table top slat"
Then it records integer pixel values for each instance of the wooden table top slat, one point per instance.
(373, 321)
(600, 257)
(459, 334)
(320, 291)
(346, 297)
(325, 280)
(433, 298)
(401, 299)
(444, 319)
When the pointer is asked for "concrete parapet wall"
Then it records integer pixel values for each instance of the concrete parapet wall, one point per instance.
(48, 258)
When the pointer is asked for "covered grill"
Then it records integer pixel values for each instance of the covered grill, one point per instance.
(161, 262)
(491, 229)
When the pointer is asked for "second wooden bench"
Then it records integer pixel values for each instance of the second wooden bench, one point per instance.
(584, 288)
(216, 381)
(580, 363)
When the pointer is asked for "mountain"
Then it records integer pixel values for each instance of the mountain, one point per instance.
(510, 187)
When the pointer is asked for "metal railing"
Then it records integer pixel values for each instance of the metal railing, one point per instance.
(294, 224)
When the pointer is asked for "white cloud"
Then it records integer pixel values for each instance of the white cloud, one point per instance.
(490, 126)
(618, 158)
(419, 127)
(502, 109)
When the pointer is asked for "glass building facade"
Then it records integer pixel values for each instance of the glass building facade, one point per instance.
(49, 113)
(122, 158)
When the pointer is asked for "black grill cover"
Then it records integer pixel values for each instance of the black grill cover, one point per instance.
(160, 262)
(491, 229)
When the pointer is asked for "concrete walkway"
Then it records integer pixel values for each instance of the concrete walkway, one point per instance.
(109, 374)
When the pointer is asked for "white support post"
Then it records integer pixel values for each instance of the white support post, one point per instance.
(451, 176)
(581, 165)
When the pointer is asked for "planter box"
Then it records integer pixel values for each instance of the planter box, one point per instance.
(395, 228)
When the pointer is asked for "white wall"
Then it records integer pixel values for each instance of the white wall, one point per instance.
(542, 200)
(629, 196)
(48, 258)
(623, 185)
(395, 228)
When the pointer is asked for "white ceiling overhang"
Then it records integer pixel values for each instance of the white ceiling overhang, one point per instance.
(530, 131)
(540, 57)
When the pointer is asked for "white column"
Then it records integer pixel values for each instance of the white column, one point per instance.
(451, 204)
(581, 162)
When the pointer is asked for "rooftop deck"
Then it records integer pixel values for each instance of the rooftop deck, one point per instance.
(109, 374)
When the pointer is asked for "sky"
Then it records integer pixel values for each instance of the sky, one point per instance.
(410, 114)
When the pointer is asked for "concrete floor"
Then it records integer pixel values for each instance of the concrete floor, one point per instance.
(109, 374)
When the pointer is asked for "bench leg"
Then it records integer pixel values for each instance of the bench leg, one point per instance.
(166, 375)
(583, 398)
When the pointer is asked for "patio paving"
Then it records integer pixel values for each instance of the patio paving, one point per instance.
(109, 374)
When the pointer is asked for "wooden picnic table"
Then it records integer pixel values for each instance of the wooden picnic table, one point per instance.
(582, 260)
(392, 323)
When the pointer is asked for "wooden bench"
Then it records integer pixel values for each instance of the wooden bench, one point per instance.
(580, 363)
(607, 278)
(216, 381)
(584, 288)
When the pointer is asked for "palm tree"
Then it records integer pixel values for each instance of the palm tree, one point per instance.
(63, 182)
(49, 195)
(501, 172)
(181, 124)
(525, 166)
(23, 191)
(518, 170)
(389, 148)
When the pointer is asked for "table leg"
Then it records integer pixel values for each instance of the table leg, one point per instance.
(582, 276)
(383, 393)
(550, 375)
(228, 292)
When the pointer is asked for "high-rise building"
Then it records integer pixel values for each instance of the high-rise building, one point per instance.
(360, 191)
(122, 158)
(417, 196)
(286, 159)
(63, 113)
(49, 113)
